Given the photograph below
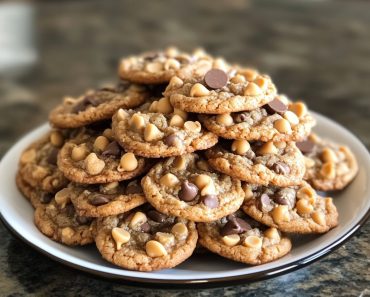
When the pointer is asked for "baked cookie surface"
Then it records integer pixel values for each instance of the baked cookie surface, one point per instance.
(296, 209)
(59, 221)
(93, 156)
(278, 120)
(277, 163)
(38, 162)
(329, 166)
(94, 106)
(239, 238)
(160, 132)
(186, 187)
(108, 199)
(145, 239)
(219, 91)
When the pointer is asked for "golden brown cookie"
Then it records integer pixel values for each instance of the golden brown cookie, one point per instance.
(186, 187)
(278, 120)
(145, 239)
(160, 132)
(59, 221)
(38, 162)
(241, 239)
(277, 163)
(95, 157)
(221, 91)
(160, 66)
(329, 166)
(108, 199)
(94, 106)
(296, 209)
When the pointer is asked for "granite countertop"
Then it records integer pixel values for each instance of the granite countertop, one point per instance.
(315, 50)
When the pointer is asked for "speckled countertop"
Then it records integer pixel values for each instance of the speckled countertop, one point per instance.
(316, 50)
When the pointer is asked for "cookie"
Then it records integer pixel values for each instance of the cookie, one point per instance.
(297, 209)
(219, 91)
(59, 221)
(93, 156)
(34, 195)
(145, 240)
(239, 238)
(160, 66)
(186, 187)
(160, 132)
(108, 199)
(94, 106)
(329, 166)
(277, 163)
(278, 120)
(38, 162)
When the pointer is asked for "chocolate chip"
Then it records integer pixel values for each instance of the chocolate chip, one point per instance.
(90, 100)
(250, 154)
(281, 168)
(285, 196)
(70, 210)
(305, 146)
(276, 106)
(112, 149)
(53, 156)
(235, 226)
(46, 197)
(82, 220)
(133, 188)
(216, 79)
(150, 56)
(172, 140)
(145, 227)
(211, 201)
(98, 199)
(264, 203)
(188, 191)
(240, 118)
(156, 216)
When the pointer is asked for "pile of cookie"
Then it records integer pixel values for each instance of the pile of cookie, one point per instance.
(185, 151)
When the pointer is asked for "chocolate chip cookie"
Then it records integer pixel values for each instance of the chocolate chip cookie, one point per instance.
(160, 132)
(160, 66)
(93, 156)
(278, 120)
(241, 239)
(186, 187)
(59, 221)
(108, 199)
(38, 162)
(329, 166)
(145, 239)
(296, 209)
(219, 91)
(94, 106)
(277, 163)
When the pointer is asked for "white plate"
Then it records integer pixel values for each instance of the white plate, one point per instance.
(207, 270)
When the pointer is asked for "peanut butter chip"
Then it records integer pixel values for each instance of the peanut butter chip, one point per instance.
(28, 156)
(120, 236)
(231, 240)
(253, 241)
(155, 249)
(216, 79)
(56, 138)
(180, 230)
(152, 133)
(93, 164)
(198, 90)
(128, 162)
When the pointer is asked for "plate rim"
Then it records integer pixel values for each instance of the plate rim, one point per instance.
(210, 282)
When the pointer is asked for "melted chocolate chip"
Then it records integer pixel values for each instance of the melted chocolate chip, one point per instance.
(211, 201)
(276, 106)
(264, 203)
(133, 188)
(70, 210)
(235, 226)
(188, 191)
(285, 196)
(156, 216)
(98, 199)
(53, 156)
(82, 220)
(240, 117)
(216, 79)
(145, 227)
(46, 197)
(112, 149)
(305, 146)
(281, 168)
(172, 140)
(90, 100)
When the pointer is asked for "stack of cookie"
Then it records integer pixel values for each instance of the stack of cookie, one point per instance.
(185, 146)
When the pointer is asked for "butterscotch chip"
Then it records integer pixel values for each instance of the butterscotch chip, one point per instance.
(225, 119)
(56, 138)
(94, 106)
(252, 89)
(180, 230)
(137, 122)
(152, 133)
(101, 142)
(299, 108)
(169, 180)
(93, 164)
(164, 106)
(120, 236)
(283, 126)
(128, 162)
(290, 209)
(79, 153)
(245, 242)
(240, 146)
(177, 121)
